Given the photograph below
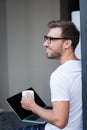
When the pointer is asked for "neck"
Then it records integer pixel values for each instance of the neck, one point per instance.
(66, 57)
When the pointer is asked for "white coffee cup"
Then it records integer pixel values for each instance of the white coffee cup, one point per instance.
(28, 91)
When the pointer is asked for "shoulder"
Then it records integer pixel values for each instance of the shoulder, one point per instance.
(69, 69)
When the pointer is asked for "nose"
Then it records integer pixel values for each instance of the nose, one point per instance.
(46, 43)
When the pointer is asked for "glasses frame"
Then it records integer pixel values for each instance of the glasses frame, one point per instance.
(54, 38)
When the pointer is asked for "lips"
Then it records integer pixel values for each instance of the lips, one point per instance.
(47, 50)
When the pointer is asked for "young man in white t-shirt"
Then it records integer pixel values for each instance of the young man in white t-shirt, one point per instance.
(65, 81)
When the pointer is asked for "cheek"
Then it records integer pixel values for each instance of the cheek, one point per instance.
(58, 48)
(55, 46)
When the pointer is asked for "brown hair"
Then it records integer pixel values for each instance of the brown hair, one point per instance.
(69, 30)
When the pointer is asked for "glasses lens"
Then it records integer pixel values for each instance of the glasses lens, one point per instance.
(45, 38)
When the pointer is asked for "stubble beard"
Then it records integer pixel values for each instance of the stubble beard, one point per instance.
(54, 55)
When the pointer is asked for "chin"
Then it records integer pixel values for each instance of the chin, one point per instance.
(50, 57)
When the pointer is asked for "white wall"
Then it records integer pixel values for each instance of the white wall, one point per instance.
(27, 63)
(75, 15)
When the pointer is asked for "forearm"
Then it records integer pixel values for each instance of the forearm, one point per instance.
(57, 116)
(46, 114)
(29, 104)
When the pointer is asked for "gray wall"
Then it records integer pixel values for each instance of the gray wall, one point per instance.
(4, 88)
(23, 62)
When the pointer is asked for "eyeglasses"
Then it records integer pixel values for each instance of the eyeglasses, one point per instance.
(53, 38)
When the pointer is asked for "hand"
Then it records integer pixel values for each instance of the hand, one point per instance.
(27, 102)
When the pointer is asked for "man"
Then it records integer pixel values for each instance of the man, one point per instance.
(65, 81)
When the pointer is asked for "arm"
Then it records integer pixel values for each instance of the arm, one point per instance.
(58, 116)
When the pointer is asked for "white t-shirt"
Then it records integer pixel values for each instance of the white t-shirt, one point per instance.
(66, 85)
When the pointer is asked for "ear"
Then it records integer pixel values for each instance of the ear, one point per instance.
(67, 44)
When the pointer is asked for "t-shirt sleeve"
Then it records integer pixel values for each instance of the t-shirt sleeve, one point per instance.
(59, 87)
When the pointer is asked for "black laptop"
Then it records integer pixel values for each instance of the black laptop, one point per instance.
(24, 115)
